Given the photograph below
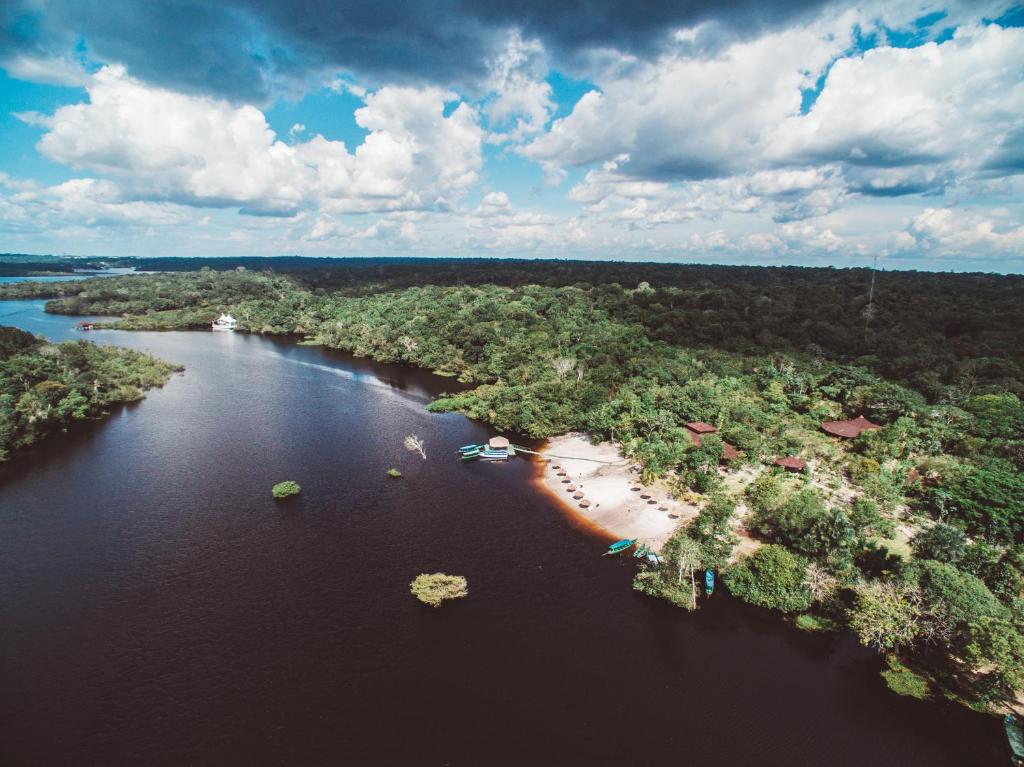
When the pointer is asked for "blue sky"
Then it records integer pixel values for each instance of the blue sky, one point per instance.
(805, 132)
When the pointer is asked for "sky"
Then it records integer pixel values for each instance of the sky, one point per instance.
(793, 132)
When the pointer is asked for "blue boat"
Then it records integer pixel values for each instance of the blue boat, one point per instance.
(471, 448)
(653, 558)
(709, 581)
(620, 546)
(494, 455)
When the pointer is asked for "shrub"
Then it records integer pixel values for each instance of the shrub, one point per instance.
(435, 588)
(394, 473)
(771, 577)
(286, 489)
(902, 681)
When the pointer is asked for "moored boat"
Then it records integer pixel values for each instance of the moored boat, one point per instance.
(620, 546)
(1014, 739)
(709, 581)
(225, 322)
(494, 455)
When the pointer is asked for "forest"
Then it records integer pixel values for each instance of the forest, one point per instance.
(47, 387)
(910, 535)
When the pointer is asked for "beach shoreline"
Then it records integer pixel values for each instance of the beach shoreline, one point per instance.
(600, 490)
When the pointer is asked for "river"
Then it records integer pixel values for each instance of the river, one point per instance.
(158, 607)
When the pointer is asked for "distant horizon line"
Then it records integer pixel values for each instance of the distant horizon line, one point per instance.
(882, 267)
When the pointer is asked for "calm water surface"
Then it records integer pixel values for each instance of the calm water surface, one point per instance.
(158, 607)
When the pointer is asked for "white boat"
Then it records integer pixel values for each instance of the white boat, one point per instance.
(225, 322)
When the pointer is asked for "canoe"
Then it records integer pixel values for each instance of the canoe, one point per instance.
(1014, 739)
(470, 448)
(622, 545)
(709, 581)
(469, 456)
(641, 551)
(494, 455)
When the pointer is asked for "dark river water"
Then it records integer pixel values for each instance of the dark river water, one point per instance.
(157, 607)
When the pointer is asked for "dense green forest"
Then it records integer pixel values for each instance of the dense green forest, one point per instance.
(45, 387)
(911, 535)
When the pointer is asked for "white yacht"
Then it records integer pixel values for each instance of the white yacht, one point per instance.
(225, 322)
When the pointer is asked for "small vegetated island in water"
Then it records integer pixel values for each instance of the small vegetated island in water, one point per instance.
(285, 489)
(435, 588)
(46, 387)
(910, 534)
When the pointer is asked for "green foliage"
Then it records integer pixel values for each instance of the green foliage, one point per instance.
(941, 542)
(47, 387)
(902, 681)
(434, 588)
(886, 615)
(394, 473)
(771, 577)
(674, 578)
(996, 648)
(987, 498)
(869, 521)
(712, 530)
(286, 489)
(954, 599)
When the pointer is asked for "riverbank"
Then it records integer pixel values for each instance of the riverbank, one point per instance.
(600, 486)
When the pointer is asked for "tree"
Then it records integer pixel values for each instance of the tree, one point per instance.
(868, 520)
(996, 650)
(674, 578)
(941, 542)
(886, 615)
(415, 445)
(953, 599)
(771, 577)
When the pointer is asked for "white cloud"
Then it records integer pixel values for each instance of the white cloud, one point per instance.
(523, 102)
(164, 145)
(957, 233)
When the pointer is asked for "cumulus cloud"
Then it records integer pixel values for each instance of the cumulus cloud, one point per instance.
(163, 145)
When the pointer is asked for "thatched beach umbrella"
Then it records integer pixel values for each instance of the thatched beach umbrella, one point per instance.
(570, 489)
(577, 496)
(584, 504)
(566, 480)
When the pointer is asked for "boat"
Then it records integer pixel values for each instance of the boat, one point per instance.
(653, 558)
(225, 322)
(470, 449)
(1014, 739)
(709, 581)
(620, 546)
(469, 456)
(494, 455)
(85, 325)
(641, 551)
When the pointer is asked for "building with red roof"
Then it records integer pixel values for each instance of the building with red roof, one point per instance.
(791, 463)
(849, 429)
(697, 428)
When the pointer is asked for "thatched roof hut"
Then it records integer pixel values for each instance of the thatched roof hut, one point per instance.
(498, 443)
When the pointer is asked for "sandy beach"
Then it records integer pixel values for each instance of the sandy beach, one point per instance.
(606, 491)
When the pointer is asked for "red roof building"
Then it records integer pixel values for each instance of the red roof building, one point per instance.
(791, 463)
(699, 427)
(849, 429)
(696, 428)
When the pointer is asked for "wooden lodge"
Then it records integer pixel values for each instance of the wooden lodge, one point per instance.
(695, 430)
(849, 429)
